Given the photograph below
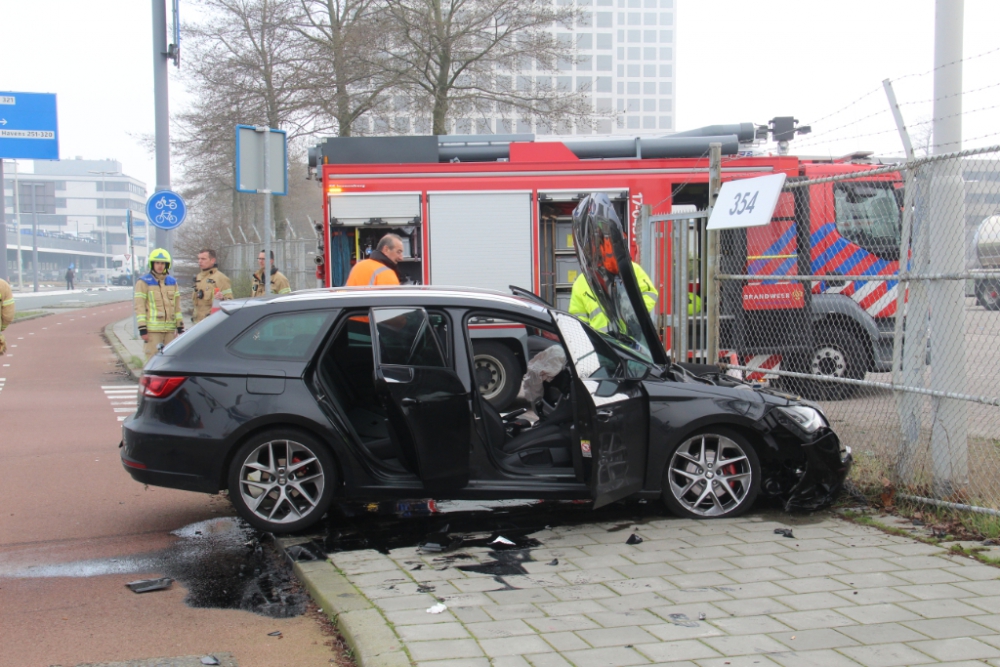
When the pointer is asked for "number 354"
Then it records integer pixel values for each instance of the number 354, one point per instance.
(744, 203)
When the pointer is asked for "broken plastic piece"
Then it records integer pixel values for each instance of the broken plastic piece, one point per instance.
(276, 633)
(438, 608)
(633, 539)
(787, 532)
(210, 660)
(502, 540)
(701, 616)
(554, 561)
(147, 585)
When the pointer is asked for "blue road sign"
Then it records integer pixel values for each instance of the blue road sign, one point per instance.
(166, 209)
(28, 126)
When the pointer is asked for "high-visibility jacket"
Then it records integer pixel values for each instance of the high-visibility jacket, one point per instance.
(209, 286)
(6, 304)
(279, 283)
(586, 307)
(158, 303)
(371, 272)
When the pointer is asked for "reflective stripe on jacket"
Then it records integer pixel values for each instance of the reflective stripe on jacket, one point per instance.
(586, 307)
(370, 272)
(158, 303)
(279, 283)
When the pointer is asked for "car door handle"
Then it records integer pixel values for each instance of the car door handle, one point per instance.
(408, 402)
(605, 415)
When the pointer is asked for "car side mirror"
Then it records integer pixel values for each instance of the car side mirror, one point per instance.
(606, 388)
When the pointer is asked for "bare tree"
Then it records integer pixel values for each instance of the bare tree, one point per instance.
(345, 46)
(462, 58)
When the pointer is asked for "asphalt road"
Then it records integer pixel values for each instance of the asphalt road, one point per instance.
(75, 527)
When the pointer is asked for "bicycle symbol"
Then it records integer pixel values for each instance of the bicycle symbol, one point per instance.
(166, 202)
(166, 217)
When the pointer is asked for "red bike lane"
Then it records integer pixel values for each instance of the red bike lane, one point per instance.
(71, 509)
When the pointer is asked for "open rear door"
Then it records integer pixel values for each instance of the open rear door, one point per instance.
(427, 405)
(611, 411)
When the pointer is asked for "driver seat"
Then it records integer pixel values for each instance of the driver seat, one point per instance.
(547, 441)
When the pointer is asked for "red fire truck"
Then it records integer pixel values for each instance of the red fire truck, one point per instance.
(495, 212)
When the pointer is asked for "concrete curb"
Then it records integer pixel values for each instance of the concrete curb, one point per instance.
(122, 353)
(369, 635)
(30, 317)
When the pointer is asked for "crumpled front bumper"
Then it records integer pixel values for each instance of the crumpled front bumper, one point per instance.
(827, 465)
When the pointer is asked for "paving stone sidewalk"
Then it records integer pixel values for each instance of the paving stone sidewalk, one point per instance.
(711, 593)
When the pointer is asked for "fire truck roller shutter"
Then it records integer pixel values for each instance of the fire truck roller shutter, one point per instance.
(480, 239)
(355, 209)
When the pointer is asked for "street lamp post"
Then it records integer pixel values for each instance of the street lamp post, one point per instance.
(104, 217)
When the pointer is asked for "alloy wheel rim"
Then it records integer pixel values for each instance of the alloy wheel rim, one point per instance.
(710, 475)
(829, 361)
(496, 371)
(281, 481)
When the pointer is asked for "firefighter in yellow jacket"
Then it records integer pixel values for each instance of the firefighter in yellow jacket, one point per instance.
(6, 312)
(210, 285)
(585, 306)
(279, 283)
(158, 303)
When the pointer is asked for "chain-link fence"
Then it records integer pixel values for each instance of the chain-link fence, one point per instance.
(294, 258)
(876, 291)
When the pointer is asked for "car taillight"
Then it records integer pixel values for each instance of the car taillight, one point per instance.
(156, 386)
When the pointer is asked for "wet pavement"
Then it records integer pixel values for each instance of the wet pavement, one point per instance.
(535, 584)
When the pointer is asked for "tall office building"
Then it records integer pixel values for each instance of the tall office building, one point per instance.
(625, 64)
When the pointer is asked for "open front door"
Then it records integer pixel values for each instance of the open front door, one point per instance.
(427, 406)
(611, 410)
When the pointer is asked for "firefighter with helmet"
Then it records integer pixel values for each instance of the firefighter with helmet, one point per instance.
(210, 285)
(6, 312)
(158, 304)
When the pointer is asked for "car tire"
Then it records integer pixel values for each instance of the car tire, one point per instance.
(270, 497)
(988, 294)
(691, 468)
(498, 373)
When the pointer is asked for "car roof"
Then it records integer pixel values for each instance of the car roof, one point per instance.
(392, 295)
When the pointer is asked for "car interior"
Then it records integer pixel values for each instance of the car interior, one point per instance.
(346, 372)
(544, 443)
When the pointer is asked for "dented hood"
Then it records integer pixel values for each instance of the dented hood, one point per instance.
(607, 268)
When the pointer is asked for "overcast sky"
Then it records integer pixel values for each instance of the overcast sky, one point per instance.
(737, 60)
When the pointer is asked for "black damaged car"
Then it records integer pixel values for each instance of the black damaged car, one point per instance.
(371, 394)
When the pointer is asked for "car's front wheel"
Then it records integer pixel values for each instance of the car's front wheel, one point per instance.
(282, 481)
(712, 474)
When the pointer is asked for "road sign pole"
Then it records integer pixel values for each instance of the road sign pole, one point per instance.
(164, 238)
(17, 229)
(266, 131)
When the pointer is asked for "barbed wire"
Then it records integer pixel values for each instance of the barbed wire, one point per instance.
(965, 140)
(845, 108)
(853, 122)
(952, 115)
(948, 64)
(856, 136)
(944, 97)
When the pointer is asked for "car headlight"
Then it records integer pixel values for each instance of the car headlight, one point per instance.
(808, 419)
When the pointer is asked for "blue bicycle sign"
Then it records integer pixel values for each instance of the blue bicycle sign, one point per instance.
(166, 209)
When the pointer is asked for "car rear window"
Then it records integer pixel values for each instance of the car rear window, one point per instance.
(188, 338)
(282, 336)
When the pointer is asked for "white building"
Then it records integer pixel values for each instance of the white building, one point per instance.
(625, 63)
(81, 212)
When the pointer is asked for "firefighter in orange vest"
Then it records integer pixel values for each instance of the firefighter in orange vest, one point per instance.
(381, 266)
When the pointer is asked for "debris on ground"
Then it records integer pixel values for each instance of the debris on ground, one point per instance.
(554, 561)
(633, 539)
(147, 585)
(276, 633)
(786, 532)
(210, 660)
(502, 540)
(438, 608)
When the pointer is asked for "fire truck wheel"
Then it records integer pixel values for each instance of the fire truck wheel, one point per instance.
(988, 294)
(838, 354)
(498, 373)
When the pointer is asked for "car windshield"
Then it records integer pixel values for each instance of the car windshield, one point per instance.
(868, 214)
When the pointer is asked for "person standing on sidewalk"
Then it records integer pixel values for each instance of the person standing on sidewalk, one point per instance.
(70, 274)
(210, 285)
(279, 283)
(158, 304)
(6, 312)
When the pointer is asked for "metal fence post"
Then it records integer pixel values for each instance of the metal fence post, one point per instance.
(712, 290)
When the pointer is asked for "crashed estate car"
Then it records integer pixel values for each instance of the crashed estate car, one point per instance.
(367, 394)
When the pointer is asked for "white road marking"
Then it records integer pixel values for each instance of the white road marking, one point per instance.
(122, 395)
